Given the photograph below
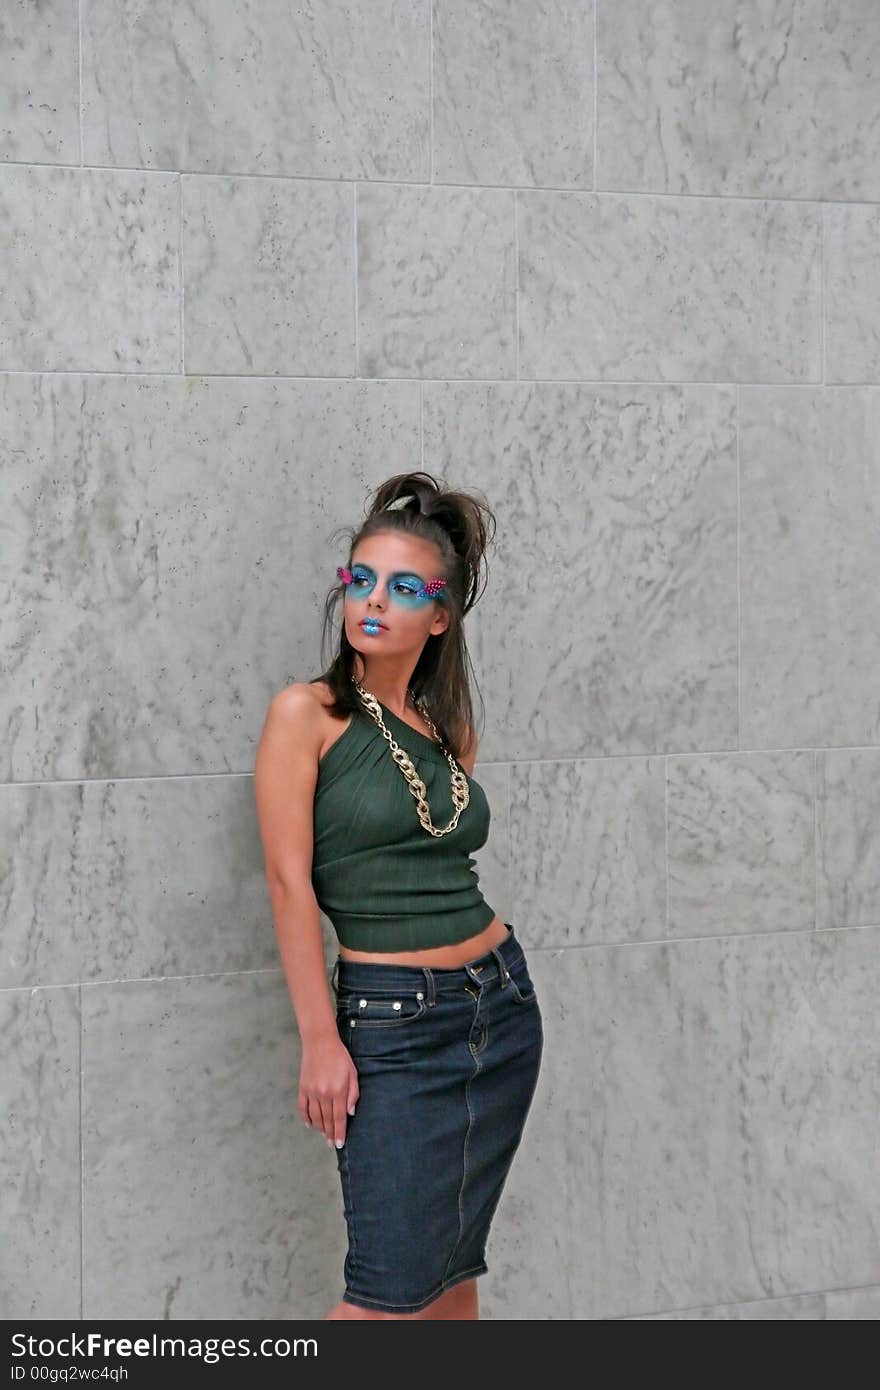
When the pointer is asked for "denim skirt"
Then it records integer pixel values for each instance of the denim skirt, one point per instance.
(447, 1062)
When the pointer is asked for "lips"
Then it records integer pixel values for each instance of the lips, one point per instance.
(371, 622)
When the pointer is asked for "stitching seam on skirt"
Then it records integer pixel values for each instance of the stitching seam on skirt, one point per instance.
(464, 1173)
(345, 1169)
(360, 1299)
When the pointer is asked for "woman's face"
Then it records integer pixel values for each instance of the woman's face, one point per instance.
(387, 572)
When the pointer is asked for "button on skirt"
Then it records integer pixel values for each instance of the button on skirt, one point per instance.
(447, 1062)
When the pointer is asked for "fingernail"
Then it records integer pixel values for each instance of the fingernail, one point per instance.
(351, 1110)
(339, 1143)
(330, 1142)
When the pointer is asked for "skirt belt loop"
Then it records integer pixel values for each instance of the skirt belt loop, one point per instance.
(429, 985)
(502, 968)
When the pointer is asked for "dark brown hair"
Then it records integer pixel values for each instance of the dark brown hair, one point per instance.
(462, 525)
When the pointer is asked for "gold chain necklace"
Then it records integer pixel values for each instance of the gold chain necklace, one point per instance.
(461, 794)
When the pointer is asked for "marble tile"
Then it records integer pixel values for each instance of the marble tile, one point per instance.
(809, 566)
(747, 99)
(852, 294)
(609, 624)
(587, 850)
(513, 94)
(848, 850)
(854, 1305)
(717, 1119)
(808, 1308)
(676, 289)
(268, 267)
(337, 90)
(168, 546)
(623, 282)
(89, 278)
(40, 1173)
(204, 1194)
(39, 79)
(847, 1304)
(741, 843)
(436, 282)
(128, 879)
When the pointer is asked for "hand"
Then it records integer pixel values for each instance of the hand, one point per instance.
(328, 1088)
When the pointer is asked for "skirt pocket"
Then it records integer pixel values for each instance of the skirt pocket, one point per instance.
(375, 1008)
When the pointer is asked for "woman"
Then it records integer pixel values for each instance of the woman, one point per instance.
(422, 1071)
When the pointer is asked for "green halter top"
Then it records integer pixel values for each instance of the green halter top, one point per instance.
(381, 879)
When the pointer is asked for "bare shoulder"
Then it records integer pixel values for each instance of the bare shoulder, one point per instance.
(301, 696)
(306, 707)
(298, 700)
(320, 691)
(297, 713)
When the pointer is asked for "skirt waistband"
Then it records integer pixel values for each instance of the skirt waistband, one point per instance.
(494, 963)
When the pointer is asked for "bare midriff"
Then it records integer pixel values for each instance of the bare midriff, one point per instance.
(443, 957)
(459, 953)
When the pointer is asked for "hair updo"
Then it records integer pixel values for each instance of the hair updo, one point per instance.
(462, 526)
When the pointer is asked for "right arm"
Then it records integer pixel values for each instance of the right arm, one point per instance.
(285, 776)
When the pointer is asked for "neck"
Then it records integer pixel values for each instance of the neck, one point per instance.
(391, 688)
